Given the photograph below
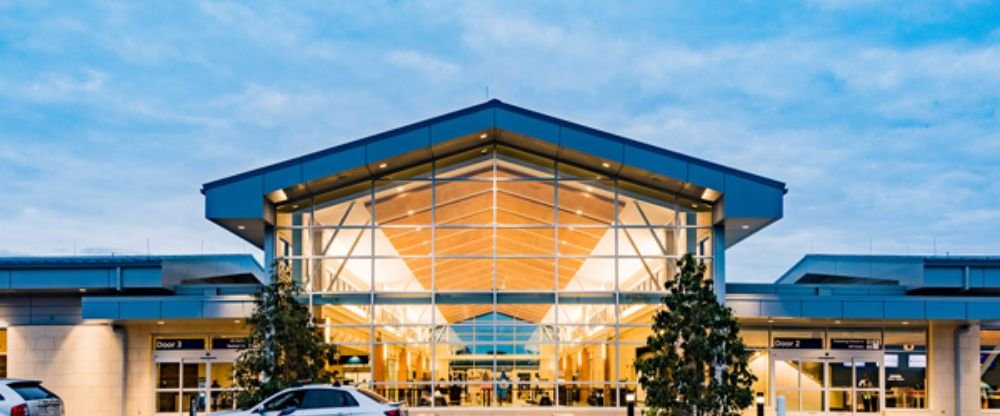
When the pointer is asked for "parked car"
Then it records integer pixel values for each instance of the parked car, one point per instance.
(28, 398)
(322, 400)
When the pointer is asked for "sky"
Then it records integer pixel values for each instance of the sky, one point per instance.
(881, 117)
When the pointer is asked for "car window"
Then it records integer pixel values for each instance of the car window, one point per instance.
(31, 391)
(284, 401)
(372, 395)
(327, 398)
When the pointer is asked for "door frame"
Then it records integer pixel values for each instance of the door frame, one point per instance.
(827, 357)
(207, 357)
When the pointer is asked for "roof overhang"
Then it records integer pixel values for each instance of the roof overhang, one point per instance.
(245, 203)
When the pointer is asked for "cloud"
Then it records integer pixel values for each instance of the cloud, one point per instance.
(427, 65)
(885, 129)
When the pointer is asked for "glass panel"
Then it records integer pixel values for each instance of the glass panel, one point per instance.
(754, 337)
(585, 241)
(905, 379)
(812, 375)
(525, 241)
(647, 274)
(791, 399)
(868, 401)
(476, 163)
(223, 400)
(589, 203)
(222, 375)
(200, 398)
(353, 363)
(841, 400)
(463, 203)
(410, 241)
(463, 274)
(166, 402)
(526, 274)
(812, 400)
(464, 241)
(343, 242)
(579, 274)
(350, 206)
(194, 376)
(406, 274)
(168, 375)
(647, 242)
(644, 206)
(841, 374)
(514, 163)
(526, 202)
(403, 202)
(343, 274)
(786, 375)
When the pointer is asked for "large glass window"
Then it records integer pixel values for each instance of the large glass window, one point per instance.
(3, 353)
(989, 371)
(905, 368)
(490, 277)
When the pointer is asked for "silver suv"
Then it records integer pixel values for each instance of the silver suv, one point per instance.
(28, 398)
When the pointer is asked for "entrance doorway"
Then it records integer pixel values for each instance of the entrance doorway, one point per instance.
(202, 377)
(817, 381)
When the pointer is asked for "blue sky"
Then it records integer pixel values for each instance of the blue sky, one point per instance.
(882, 117)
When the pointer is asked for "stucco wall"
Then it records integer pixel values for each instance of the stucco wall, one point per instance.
(80, 363)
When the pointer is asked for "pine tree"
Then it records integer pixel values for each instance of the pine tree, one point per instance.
(283, 347)
(698, 363)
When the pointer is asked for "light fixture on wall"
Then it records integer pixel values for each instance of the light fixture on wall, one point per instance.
(160, 323)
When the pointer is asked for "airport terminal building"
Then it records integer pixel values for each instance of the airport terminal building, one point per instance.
(496, 258)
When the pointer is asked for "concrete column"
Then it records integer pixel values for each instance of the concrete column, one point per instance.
(950, 379)
(80, 363)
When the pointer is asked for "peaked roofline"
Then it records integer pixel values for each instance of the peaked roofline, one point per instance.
(493, 103)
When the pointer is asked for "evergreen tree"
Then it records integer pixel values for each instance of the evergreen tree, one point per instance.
(283, 347)
(698, 363)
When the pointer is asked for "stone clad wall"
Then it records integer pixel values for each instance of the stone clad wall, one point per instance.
(80, 363)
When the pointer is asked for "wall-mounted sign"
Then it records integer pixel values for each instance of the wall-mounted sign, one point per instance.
(797, 343)
(228, 343)
(177, 344)
(855, 344)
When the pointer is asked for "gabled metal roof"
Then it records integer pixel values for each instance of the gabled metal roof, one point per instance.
(245, 203)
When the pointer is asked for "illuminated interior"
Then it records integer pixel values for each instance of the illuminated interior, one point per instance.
(490, 277)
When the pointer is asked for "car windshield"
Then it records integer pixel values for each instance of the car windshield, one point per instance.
(32, 391)
(374, 396)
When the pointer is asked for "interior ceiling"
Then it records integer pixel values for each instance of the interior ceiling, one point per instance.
(471, 203)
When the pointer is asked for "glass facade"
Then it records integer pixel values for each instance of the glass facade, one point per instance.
(3, 353)
(491, 277)
(839, 369)
(989, 370)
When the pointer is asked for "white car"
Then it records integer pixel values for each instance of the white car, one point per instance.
(28, 398)
(322, 400)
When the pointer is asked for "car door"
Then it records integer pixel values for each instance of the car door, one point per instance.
(328, 402)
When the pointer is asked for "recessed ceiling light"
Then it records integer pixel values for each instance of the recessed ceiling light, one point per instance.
(160, 322)
(241, 227)
(837, 322)
(296, 206)
(770, 321)
(409, 212)
(606, 164)
(590, 189)
(483, 136)
(579, 212)
(83, 290)
(236, 321)
(906, 322)
(745, 227)
(484, 151)
(383, 165)
(694, 205)
(399, 189)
